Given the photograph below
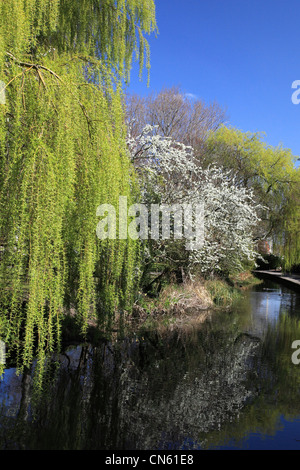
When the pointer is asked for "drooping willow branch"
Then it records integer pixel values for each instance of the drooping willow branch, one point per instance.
(38, 68)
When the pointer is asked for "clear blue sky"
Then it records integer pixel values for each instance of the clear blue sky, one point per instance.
(244, 54)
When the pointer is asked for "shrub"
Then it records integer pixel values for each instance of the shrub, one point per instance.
(269, 261)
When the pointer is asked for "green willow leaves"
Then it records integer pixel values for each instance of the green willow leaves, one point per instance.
(63, 152)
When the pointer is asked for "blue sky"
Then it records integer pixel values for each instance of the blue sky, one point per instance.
(244, 54)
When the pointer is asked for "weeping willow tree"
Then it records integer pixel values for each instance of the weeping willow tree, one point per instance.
(289, 242)
(275, 179)
(63, 152)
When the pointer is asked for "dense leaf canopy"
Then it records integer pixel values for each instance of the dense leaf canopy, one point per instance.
(62, 153)
(272, 173)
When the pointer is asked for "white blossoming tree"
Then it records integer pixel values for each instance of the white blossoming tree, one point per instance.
(170, 174)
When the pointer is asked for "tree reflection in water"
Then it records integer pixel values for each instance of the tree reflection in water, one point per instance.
(190, 387)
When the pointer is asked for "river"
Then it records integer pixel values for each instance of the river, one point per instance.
(227, 384)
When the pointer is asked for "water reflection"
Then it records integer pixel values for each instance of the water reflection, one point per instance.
(267, 302)
(210, 386)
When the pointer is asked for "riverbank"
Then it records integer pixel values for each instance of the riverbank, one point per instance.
(290, 280)
(189, 302)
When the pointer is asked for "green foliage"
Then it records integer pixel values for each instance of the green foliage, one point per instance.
(221, 292)
(295, 268)
(112, 30)
(272, 174)
(269, 261)
(62, 153)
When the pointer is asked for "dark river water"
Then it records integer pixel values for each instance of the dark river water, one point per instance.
(230, 383)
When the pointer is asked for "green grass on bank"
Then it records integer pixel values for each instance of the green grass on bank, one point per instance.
(183, 299)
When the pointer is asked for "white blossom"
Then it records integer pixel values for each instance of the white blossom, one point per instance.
(170, 173)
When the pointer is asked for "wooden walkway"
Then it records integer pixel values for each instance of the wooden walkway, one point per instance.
(289, 280)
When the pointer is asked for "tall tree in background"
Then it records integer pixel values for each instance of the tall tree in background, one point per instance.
(176, 115)
(62, 153)
(272, 174)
